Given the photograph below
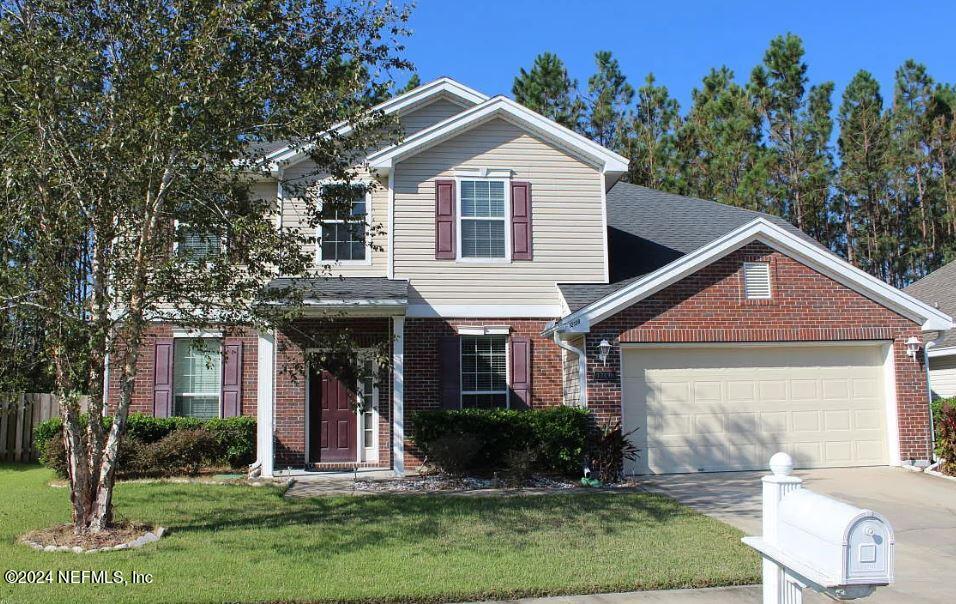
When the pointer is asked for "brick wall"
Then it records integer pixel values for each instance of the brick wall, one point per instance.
(421, 366)
(142, 401)
(709, 306)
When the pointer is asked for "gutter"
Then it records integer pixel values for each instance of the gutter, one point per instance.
(582, 365)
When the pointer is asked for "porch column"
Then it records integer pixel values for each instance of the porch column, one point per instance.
(265, 401)
(398, 395)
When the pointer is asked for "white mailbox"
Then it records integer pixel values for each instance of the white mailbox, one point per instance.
(810, 540)
(845, 544)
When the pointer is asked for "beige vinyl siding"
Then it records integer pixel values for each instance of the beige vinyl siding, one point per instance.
(295, 215)
(429, 115)
(568, 229)
(942, 376)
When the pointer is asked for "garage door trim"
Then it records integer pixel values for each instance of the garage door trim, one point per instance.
(888, 370)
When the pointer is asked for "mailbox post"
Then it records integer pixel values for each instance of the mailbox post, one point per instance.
(810, 540)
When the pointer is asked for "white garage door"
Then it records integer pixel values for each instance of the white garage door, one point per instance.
(730, 408)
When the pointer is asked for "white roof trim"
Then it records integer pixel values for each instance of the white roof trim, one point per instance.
(941, 352)
(761, 229)
(498, 106)
(412, 98)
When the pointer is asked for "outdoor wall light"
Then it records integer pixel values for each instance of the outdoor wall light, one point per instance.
(604, 349)
(912, 347)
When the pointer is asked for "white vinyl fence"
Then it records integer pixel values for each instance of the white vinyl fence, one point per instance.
(19, 415)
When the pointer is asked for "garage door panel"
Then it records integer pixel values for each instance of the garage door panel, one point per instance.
(731, 408)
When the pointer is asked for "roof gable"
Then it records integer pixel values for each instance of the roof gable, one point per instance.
(776, 237)
(504, 108)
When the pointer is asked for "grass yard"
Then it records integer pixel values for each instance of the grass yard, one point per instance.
(242, 543)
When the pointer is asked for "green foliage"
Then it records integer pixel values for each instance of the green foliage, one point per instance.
(944, 422)
(454, 454)
(549, 90)
(610, 446)
(558, 435)
(609, 97)
(227, 441)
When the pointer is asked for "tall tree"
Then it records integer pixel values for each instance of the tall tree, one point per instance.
(651, 141)
(412, 83)
(794, 122)
(548, 89)
(610, 98)
(133, 118)
(720, 144)
(863, 186)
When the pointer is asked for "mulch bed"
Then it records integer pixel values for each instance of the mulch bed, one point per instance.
(63, 535)
(440, 483)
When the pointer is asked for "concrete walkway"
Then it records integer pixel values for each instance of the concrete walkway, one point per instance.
(715, 595)
(922, 510)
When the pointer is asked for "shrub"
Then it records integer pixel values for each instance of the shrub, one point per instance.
(181, 452)
(946, 436)
(557, 434)
(225, 441)
(454, 453)
(520, 465)
(609, 448)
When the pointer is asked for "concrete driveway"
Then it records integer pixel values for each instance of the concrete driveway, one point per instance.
(922, 510)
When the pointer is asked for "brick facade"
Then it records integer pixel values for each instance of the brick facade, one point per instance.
(709, 306)
(142, 401)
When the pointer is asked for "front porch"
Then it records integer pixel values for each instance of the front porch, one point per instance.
(334, 411)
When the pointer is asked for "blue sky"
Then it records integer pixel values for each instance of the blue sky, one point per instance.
(483, 43)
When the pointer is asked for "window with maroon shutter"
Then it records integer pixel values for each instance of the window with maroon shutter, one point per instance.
(163, 377)
(445, 220)
(232, 377)
(520, 372)
(521, 221)
(449, 372)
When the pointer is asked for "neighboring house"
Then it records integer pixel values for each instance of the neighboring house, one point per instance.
(516, 271)
(938, 289)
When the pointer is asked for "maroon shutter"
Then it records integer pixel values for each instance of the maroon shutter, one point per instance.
(520, 372)
(163, 377)
(521, 221)
(232, 377)
(449, 367)
(445, 220)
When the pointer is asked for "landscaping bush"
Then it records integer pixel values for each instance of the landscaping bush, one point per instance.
(945, 424)
(609, 448)
(558, 435)
(149, 446)
(454, 453)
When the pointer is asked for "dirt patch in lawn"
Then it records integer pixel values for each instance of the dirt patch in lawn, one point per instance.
(63, 536)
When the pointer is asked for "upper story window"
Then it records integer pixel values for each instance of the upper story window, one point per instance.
(482, 218)
(484, 373)
(344, 223)
(196, 244)
(197, 377)
(757, 284)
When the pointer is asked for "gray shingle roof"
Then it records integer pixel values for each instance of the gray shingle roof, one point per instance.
(344, 288)
(938, 289)
(648, 229)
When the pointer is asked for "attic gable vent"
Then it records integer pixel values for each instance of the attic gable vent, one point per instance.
(757, 280)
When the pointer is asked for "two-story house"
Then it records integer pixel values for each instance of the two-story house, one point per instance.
(513, 269)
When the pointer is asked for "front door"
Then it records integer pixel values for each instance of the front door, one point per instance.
(332, 417)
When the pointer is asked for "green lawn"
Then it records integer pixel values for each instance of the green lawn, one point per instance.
(242, 543)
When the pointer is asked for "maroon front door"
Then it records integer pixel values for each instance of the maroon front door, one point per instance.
(332, 418)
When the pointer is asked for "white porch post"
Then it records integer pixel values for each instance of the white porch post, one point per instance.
(398, 395)
(265, 401)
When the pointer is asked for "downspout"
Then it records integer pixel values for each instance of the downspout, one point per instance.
(929, 396)
(582, 366)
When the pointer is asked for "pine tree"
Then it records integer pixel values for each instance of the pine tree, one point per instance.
(413, 83)
(609, 102)
(863, 186)
(652, 137)
(549, 90)
(794, 122)
(719, 144)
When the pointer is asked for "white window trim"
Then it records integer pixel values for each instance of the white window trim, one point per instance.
(492, 176)
(507, 391)
(194, 334)
(368, 224)
(484, 330)
(368, 453)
